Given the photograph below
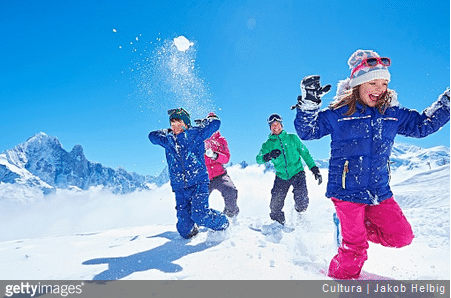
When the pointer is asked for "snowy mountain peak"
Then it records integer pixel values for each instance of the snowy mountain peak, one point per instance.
(42, 163)
(77, 153)
(39, 144)
(41, 140)
(39, 136)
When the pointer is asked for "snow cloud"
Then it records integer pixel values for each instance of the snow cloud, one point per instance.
(72, 211)
(169, 77)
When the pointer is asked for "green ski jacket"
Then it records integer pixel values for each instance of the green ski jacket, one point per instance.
(289, 162)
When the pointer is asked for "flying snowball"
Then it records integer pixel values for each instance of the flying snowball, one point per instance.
(182, 43)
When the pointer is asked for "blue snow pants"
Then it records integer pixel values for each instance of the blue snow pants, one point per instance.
(192, 208)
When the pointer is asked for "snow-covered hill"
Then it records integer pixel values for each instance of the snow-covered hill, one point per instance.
(97, 234)
(407, 159)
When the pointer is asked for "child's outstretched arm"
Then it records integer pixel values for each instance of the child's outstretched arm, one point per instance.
(309, 122)
(159, 137)
(416, 125)
(208, 127)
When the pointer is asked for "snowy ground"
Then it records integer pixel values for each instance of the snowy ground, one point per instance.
(96, 235)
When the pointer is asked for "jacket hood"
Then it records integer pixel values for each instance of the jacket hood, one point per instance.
(216, 134)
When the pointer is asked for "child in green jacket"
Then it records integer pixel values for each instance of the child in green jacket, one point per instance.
(285, 150)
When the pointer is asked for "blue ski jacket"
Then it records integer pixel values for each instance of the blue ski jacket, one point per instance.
(361, 144)
(185, 152)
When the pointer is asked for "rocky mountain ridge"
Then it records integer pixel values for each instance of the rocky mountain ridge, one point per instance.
(42, 162)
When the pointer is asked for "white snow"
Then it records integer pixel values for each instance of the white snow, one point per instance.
(182, 43)
(84, 235)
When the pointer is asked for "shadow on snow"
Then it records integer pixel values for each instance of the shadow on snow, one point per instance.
(160, 258)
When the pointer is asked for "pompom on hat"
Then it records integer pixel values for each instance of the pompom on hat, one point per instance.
(212, 115)
(366, 74)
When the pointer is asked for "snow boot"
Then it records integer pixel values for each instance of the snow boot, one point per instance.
(231, 213)
(193, 232)
(279, 217)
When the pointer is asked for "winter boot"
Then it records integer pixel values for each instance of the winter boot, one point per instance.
(231, 213)
(193, 232)
(280, 217)
(299, 209)
(301, 205)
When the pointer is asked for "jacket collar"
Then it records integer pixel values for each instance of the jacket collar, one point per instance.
(282, 133)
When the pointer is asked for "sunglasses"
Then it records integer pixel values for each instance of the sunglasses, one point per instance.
(274, 117)
(177, 111)
(371, 62)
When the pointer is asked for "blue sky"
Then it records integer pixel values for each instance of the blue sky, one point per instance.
(95, 73)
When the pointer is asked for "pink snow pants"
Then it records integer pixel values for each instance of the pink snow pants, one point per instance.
(384, 224)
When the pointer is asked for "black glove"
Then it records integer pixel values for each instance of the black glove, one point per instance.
(200, 122)
(273, 154)
(318, 176)
(311, 90)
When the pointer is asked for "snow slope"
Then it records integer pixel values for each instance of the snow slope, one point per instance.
(85, 235)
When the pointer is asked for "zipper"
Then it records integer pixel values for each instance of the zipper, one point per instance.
(343, 175)
(389, 170)
(284, 156)
(178, 150)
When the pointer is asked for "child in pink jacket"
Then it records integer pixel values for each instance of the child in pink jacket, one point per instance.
(217, 154)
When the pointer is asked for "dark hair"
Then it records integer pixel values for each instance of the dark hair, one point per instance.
(351, 97)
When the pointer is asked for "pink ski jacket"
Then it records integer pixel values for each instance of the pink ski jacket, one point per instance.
(218, 144)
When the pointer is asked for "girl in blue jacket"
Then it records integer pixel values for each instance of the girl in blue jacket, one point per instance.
(363, 122)
(184, 147)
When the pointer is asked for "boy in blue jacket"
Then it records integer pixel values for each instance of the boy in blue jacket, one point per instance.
(363, 122)
(184, 147)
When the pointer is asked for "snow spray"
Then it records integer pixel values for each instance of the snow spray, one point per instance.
(169, 78)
